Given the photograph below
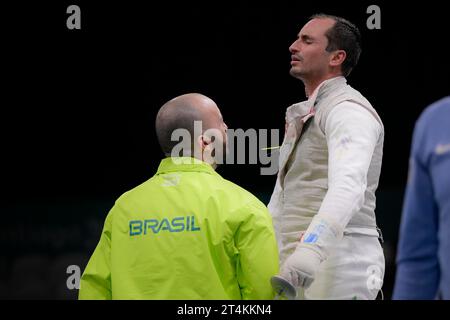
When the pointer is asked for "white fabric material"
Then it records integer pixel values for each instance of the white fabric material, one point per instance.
(303, 177)
(301, 266)
(351, 137)
(321, 236)
(329, 167)
(354, 270)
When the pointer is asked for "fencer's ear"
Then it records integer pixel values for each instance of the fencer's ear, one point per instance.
(337, 58)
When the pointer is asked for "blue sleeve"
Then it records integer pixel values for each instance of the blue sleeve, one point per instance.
(417, 261)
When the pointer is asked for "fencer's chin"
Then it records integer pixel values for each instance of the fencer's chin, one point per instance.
(293, 72)
(296, 73)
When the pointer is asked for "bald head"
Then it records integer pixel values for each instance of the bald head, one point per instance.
(180, 113)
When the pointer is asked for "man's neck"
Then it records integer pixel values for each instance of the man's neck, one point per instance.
(194, 158)
(311, 85)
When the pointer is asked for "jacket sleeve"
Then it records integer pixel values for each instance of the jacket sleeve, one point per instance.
(258, 253)
(417, 262)
(96, 280)
(352, 134)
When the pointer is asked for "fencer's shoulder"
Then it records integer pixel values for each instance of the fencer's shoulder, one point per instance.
(353, 114)
(351, 109)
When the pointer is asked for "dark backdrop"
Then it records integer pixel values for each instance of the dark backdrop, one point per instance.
(78, 107)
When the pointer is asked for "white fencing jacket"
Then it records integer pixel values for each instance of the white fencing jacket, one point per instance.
(330, 163)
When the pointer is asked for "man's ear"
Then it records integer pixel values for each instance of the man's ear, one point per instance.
(203, 141)
(199, 146)
(337, 58)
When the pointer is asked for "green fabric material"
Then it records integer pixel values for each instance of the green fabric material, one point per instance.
(186, 233)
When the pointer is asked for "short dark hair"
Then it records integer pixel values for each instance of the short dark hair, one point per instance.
(344, 35)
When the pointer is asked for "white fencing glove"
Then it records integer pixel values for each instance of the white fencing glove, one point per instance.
(300, 267)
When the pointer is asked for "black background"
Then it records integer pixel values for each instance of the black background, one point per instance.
(78, 107)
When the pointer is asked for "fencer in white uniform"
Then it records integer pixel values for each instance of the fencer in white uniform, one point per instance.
(323, 204)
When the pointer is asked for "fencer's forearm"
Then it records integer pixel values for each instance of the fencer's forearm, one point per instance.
(352, 134)
(301, 266)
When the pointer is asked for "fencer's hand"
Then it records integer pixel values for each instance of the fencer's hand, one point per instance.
(301, 266)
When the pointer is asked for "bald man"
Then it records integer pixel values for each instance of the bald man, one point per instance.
(199, 123)
(186, 233)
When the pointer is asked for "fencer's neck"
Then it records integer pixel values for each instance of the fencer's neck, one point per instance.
(310, 87)
(313, 84)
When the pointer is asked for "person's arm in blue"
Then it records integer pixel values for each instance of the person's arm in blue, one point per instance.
(417, 261)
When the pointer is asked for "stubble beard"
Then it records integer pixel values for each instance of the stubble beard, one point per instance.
(297, 74)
